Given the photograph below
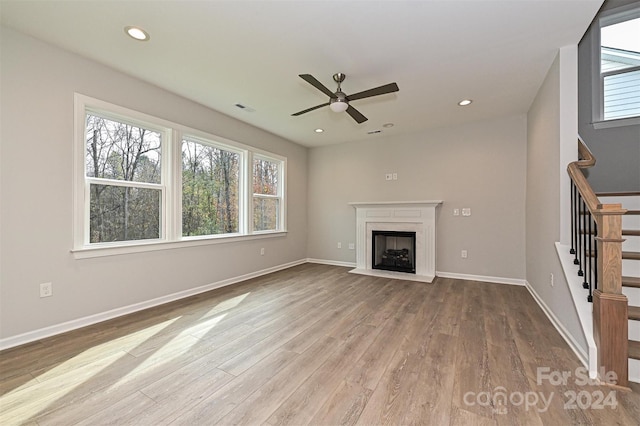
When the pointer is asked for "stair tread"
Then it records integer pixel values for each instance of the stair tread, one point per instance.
(634, 255)
(634, 313)
(631, 282)
(618, 194)
(634, 349)
(635, 232)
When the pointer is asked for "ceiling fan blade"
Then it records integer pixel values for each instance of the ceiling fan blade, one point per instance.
(356, 115)
(309, 109)
(315, 83)
(382, 90)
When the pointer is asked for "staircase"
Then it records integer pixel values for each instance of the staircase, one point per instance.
(605, 243)
(630, 269)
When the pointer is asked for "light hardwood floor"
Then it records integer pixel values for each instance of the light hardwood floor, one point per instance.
(314, 345)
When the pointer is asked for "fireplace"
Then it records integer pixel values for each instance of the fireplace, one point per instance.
(394, 251)
(411, 217)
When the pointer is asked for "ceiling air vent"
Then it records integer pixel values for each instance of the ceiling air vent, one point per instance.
(244, 107)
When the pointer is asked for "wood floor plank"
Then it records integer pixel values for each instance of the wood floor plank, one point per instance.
(433, 390)
(386, 404)
(311, 344)
(122, 413)
(309, 397)
(472, 372)
(343, 406)
(246, 398)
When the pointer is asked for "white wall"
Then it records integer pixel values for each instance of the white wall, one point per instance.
(547, 139)
(38, 82)
(478, 165)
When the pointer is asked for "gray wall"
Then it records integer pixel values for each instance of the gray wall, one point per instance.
(38, 82)
(617, 149)
(478, 165)
(546, 169)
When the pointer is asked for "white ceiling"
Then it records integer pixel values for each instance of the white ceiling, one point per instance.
(220, 53)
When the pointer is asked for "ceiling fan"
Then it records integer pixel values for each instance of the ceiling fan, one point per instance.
(339, 101)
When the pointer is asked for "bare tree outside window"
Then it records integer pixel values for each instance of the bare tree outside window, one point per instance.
(120, 160)
(266, 199)
(210, 190)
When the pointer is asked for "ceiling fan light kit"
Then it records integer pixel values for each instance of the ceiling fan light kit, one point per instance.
(339, 101)
(338, 105)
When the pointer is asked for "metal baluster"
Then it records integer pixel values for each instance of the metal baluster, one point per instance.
(573, 218)
(581, 241)
(595, 255)
(587, 247)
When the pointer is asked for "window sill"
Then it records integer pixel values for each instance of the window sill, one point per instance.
(101, 251)
(631, 121)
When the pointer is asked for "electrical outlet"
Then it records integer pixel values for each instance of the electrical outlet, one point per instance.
(466, 211)
(395, 176)
(46, 289)
(463, 254)
(551, 279)
(262, 251)
(352, 246)
(339, 245)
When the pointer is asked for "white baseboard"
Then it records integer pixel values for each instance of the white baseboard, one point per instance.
(42, 333)
(496, 280)
(568, 337)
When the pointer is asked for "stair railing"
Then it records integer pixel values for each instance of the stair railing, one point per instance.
(596, 243)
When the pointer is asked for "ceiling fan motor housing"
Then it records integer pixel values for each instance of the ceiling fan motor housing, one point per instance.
(339, 101)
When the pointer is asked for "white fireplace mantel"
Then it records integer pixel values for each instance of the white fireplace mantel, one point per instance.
(410, 216)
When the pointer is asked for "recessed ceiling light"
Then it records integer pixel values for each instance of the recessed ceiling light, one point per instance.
(387, 125)
(465, 102)
(137, 33)
(319, 130)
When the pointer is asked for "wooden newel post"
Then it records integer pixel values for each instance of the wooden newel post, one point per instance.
(610, 306)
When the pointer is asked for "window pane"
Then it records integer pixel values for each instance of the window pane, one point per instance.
(210, 188)
(265, 177)
(265, 213)
(622, 95)
(620, 45)
(120, 213)
(120, 151)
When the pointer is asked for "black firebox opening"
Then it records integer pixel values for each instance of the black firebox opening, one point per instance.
(394, 251)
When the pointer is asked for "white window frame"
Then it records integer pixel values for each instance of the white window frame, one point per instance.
(172, 135)
(219, 144)
(611, 17)
(282, 167)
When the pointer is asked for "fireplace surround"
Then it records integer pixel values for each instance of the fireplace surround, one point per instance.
(417, 217)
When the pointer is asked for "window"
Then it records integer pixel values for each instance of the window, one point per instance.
(618, 94)
(142, 182)
(123, 175)
(267, 194)
(210, 189)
